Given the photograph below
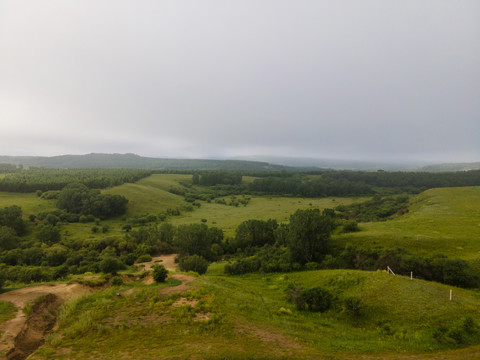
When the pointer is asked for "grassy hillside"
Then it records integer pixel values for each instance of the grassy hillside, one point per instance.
(248, 317)
(150, 195)
(444, 220)
(30, 203)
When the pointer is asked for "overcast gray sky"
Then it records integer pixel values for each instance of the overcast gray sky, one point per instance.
(369, 79)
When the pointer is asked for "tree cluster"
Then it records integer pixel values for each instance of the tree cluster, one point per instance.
(77, 198)
(33, 179)
(211, 178)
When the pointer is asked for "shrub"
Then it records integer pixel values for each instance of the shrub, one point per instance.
(128, 259)
(111, 265)
(353, 306)
(116, 281)
(312, 266)
(293, 293)
(144, 258)
(194, 263)
(317, 299)
(159, 273)
(350, 226)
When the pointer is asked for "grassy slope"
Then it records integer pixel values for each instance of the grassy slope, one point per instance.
(400, 316)
(444, 220)
(30, 203)
(150, 195)
(262, 208)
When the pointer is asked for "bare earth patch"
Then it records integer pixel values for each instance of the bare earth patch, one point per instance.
(166, 260)
(184, 286)
(19, 298)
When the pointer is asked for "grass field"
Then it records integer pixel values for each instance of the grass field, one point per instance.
(250, 318)
(151, 196)
(228, 218)
(444, 220)
(30, 203)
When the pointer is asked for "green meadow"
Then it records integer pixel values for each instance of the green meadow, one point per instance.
(249, 316)
(443, 220)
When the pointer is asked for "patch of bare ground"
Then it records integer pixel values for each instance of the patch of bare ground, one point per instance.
(282, 345)
(166, 260)
(148, 279)
(19, 298)
(41, 320)
(184, 286)
(183, 301)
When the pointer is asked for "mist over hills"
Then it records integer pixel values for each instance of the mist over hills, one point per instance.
(133, 161)
(254, 163)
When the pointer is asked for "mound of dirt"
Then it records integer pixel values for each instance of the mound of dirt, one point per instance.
(40, 321)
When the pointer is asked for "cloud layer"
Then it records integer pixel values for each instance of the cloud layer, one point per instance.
(347, 79)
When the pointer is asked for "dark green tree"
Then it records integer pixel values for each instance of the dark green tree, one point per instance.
(11, 216)
(159, 273)
(309, 232)
(8, 238)
(194, 263)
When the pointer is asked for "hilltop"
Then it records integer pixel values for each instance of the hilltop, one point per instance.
(133, 161)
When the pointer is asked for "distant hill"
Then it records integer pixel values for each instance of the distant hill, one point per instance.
(133, 161)
(451, 167)
(337, 164)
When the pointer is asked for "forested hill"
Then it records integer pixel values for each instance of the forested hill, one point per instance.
(132, 161)
(451, 167)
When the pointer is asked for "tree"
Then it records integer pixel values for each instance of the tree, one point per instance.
(255, 233)
(111, 265)
(194, 263)
(159, 273)
(11, 216)
(49, 234)
(8, 238)
(197, 239)
(309, 232)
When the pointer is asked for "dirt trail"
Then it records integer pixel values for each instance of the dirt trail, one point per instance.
(10, 329)
(166, 260)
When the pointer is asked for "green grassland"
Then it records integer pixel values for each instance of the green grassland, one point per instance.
(228, 218)
(249, 315)
(30, 203)
(250, 318)
(151, 196)
(443, 220)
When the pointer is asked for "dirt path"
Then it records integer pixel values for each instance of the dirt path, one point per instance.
(166, 260)
(19, 298)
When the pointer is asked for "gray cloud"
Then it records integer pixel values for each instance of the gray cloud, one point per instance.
(369, 79)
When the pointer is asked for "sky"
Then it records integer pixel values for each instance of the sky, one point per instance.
(365, 80)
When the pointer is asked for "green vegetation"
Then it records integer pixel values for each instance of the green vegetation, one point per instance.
(33, 179)
(7, 311)
(159, 273)
(283, 265)
(376, 313)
